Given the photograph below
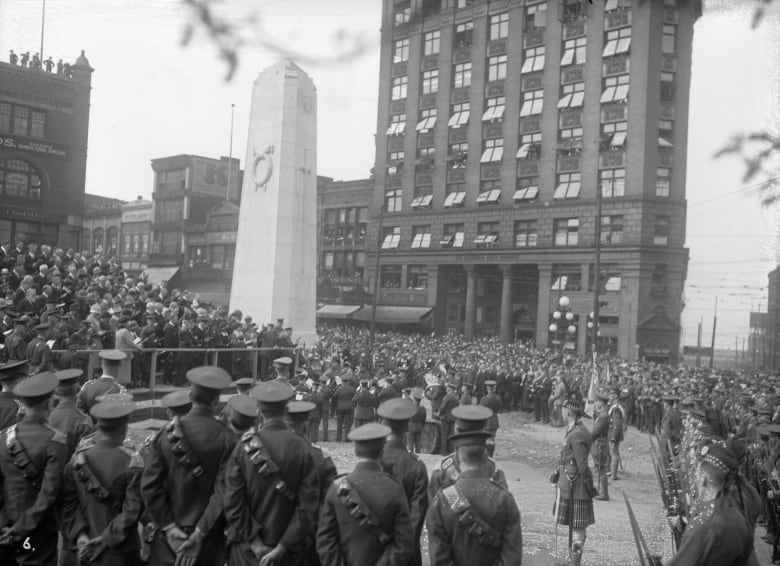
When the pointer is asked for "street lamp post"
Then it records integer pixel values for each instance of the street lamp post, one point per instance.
(563, 322)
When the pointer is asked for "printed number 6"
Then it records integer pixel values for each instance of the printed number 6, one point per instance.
(26, 544)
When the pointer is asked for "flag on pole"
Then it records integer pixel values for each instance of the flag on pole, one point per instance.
(594, 386)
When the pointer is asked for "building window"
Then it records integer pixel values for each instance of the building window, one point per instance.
(612, 182)
(464, 34)
(37, 124)
(395, 160)
(458, 149)
(421, 237)
(495, 109)
(403, 12)
(499, 26)
(462, 75)
(496, 68)
(668, 40)
(5, 116)
(614, 135)
(198, 256)
(432, 43)
(169, 210)
(568, 186)
(530, 146)
(566, 277)
(401, 51)
(170, 181)
(667, 87)
(527, 189)
(574, 51)
(533, 60)
(526, 233)
(128, 242)
(618, 41)
(423, 197)
(571, 134)
(572, 95)
(659, 284)
(613, 5)
(430, 81)
(572, 10)
(536, 16)
(391, 237)
(327, 261)
(662, 182)
(21, 120)
(393, 200)
(390, 277)
(532, 103)
(460, 115)
(610, 279)
(397, 125)
(456, 194)
(493, 150)
(453, 236)
(665, 133)
(661, 232)
(489, 193)
(425, 164)
(97, 240)
(615, 89)
(144, 243)
(487, 234)
(566, 231)
(427, 120)
(19, 179)
(417, 277)
(612, 229)
(399, 87)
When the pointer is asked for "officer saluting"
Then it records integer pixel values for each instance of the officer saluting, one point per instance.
(468, 418)
(184, 469)
(271, 487)
(474, 521)
(101, 498)
(365, 517)
(105, 384)
(405, 467)
(32, 457)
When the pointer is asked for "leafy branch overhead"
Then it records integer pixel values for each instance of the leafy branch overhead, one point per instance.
(231, 32)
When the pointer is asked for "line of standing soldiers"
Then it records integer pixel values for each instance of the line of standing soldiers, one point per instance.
(257, 491)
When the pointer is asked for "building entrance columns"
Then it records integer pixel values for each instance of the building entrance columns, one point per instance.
(471, 303)
(506, 330)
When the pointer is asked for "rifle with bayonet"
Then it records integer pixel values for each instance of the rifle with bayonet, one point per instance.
(667, 476)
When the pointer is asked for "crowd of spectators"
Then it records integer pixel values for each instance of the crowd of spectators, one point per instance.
(37, 63)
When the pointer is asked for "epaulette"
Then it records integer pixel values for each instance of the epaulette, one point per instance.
(58, 436)
(136, 460)
(447, 462)
(496, 483)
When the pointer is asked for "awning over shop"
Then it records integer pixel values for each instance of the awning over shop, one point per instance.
(393, 315)
(337, 311)
(156, 275)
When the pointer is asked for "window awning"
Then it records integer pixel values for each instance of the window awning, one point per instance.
(337, 311)
(393, 315)
(156, 275)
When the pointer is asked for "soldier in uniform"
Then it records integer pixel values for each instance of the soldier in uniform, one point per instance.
(493, 402)
(446, 419)
(315, 415)
(416, 423)
(575, 481)
(474, 521)
(101, 499)
(32, 457)
(105, 384)
(327, 393)
(404, 466)
(342, 398)
(617, 426)
(364, 403)
(388, 391)
(38, 351)
(271, 487)
(15, 343)
(66, 417)
(467, 419)
(600, 447)
(241, 413)
(282, 368)
(365, 516)
(184, 470)
(10, 374)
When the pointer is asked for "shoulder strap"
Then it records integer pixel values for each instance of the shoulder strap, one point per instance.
(92, 484)
(350, 497)
(182, 449)
(265, 466)
(474, 524)
(58, 435)
(20, 458)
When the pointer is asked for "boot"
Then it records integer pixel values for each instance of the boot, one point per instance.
(603, 491)
(576, 554)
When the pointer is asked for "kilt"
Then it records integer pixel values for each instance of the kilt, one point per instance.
(582, 517)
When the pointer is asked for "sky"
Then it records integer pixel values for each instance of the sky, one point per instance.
(153, 97)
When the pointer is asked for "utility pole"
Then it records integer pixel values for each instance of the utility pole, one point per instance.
(375, 295)
(698, 345)
(594, 339)
(714, 327)
(230, 155)
(43, 23)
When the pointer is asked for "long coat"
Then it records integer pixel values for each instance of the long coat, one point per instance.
(574, 461)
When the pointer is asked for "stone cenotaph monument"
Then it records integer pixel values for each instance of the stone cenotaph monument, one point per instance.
(275, 270)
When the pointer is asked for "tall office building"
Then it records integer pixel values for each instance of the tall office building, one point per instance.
(499, 121)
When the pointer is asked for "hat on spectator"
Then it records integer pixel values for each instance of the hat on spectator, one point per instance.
(299, 411)
(773, 429)
(209, 377)
(13, 370)
(371, 435)
(397, 409)
(112, 356)
(243, 405)
(272, 394)
(95, 309)
(68, 376)
(469, 418)
(176, 399)
(36, 388)
(490, 383)
(244, 383)
(451, 385)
